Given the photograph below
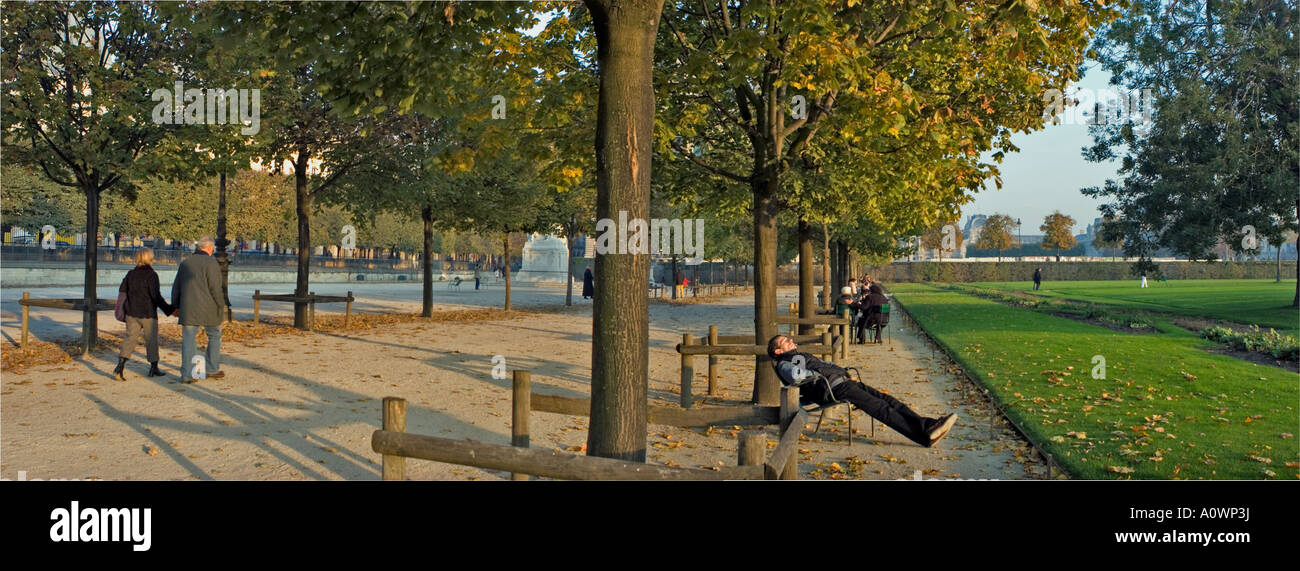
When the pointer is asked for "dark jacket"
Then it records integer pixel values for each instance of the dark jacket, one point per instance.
(1038, 276)
(845, 300)
(143, 296)
(815, 391)
(588, 283)
(196, 293)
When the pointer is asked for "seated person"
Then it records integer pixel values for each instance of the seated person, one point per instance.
(794, 367)
(871, 315)
(845, 300)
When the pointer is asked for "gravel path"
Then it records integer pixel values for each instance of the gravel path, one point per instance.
(304, 406)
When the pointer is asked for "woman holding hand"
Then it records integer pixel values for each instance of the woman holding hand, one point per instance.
(143, 300)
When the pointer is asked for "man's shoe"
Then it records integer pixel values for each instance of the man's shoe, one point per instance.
(942, 427)
(154, 372)
(217, 375)
(190, 381)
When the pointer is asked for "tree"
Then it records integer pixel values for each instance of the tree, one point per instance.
(1217, 157)
(32, 201)
(996, 234)
(262, 207)
(501, 195)
(1107, 236)
(1057, 232)
(408, 178)
(77, 82)
(945, 238)
(915, 91)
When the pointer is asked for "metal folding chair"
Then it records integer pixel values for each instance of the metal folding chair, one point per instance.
(821, 409)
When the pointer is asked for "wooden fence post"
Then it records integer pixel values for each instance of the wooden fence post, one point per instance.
(751, 448)
(347, 314)
(257, 305)
(394, 467)
(688, 370)
(520, 407)
(845, 330)
(26, 312)
(794, 312)
(713, 362)
(829, 355)
(789, 410)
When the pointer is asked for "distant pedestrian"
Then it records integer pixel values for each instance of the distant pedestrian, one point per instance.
(588, 284)
(477, 277)
(680, 282)
(1144, 279)
(1038, 278)
(198, 298)
(143, 299)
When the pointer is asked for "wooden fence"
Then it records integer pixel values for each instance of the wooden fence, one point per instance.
(71, 303)
(396, 445)
(311, 299)
(665, 291)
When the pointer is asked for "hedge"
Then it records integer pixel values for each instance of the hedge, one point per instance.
(950, 272)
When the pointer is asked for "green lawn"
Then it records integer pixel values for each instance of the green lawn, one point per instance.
(1261, 302)
(1165, 408)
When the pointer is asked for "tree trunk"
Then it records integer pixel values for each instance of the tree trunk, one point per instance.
(1279, 261)
(304, 240)
(426, 214)
(506, 272)
(806, 296)
(568, 261)
(674, 277)
(766, 386)
(90, 317)
(222, 256)
(826, 268)
(625, 34)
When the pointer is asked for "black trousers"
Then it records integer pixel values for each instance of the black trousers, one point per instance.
(887, 409)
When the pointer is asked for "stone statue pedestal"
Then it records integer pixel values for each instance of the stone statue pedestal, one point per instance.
(545, 260)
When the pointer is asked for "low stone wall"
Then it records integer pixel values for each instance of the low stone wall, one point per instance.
(56, 276)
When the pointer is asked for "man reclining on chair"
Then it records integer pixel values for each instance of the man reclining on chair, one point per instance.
(800, 369)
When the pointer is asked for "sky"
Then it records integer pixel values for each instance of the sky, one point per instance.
(1048, 172)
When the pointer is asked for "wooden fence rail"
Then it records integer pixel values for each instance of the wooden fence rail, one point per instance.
(311, 299)
(545, 463)
(689, 348)
(754, 415)
(70, 303)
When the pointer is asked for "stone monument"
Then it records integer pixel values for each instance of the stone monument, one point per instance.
(546, 259)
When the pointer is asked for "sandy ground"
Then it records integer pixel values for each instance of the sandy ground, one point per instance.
(303, 407)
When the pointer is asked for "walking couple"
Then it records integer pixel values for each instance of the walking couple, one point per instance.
(198, 300)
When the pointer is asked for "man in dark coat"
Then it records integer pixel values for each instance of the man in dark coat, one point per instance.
(1038, 278)
(872, 316)
(198, 298)
(797, 368)
(588, 284)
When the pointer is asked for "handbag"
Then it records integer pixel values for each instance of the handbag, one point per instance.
(119, 310)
